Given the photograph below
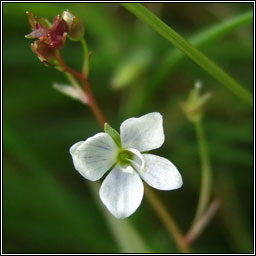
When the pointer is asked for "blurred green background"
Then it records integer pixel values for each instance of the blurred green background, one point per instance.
(47, 206)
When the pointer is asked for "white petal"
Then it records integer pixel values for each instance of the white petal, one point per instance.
(160, 173)
(143, 133)
(122, 192)
(93, 157)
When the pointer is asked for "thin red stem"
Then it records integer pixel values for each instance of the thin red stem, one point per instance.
(91, 99)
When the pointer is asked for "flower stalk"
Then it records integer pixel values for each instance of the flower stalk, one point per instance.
(91, 99)
(198, 227)
(167, 220)
(193, 108)
(85, 69)
(206, 176)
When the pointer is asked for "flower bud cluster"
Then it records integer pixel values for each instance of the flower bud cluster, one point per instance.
(51, 37)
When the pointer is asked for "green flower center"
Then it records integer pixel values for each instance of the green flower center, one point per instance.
(124, 157)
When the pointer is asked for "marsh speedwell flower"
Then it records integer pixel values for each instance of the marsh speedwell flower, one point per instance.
(126, 156)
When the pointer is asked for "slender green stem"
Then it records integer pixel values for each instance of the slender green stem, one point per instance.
(206, 176)
(73, 81)
(197, 56)
(85, 69)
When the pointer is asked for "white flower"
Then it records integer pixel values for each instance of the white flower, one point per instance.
(125, 155)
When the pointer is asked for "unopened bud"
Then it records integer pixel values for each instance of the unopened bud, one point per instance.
(193, 106)
(75, 26)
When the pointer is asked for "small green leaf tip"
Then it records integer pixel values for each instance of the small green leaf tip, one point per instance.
(113, 134)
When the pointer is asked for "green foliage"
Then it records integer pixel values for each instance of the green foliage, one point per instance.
(47, 206)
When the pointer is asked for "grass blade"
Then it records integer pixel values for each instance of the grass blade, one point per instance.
(197, 56)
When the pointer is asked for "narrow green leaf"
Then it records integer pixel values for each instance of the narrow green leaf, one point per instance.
(113, 133)
(197, 56)
(174, 56)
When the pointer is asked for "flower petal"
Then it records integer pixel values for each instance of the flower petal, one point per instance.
(93, 157)
(38, 33)
(122, 192)
(143, 133)
(160, 173)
